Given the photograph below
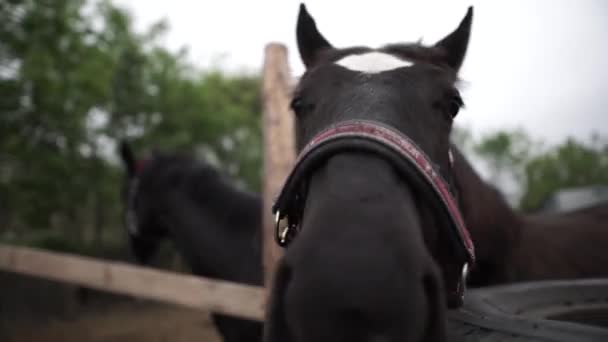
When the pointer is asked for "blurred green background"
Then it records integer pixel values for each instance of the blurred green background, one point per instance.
(75, 77)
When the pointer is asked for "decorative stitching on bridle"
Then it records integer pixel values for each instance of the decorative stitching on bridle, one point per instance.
(408, 157)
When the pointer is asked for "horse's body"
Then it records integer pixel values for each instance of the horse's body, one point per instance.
(366, 264)
(515, 247)
(214, 226)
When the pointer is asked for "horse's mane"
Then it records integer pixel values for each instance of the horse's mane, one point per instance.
(417, 51)
(493, 224)
(481, 202)
(411, 51)
(202, 183)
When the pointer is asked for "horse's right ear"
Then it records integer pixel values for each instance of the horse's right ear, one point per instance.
(128, 159)
(454, 46)
(310, 40)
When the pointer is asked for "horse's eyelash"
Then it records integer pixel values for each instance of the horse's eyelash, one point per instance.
(455, 95)
(459, 100)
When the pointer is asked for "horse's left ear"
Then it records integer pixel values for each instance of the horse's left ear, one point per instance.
(310, 40)
(454, 46)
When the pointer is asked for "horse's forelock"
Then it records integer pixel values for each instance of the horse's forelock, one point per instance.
(384, 58)
(373, 62)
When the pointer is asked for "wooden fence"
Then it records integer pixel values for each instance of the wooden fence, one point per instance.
(178, 289)
(143, 282)
(279, 146)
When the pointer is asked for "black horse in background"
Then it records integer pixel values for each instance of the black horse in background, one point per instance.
(214, 226)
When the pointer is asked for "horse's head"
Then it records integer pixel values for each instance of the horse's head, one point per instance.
(375, 220)
(142, 225)
(407, 86)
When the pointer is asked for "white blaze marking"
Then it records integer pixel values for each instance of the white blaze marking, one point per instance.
(373, 62)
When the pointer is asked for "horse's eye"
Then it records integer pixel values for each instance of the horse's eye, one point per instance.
(455, 104)
(298, 105)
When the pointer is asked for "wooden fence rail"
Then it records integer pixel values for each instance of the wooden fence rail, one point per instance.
(180, 289)
(184, 290)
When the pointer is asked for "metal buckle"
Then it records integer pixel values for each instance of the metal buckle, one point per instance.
(455, 299)
(280, 234)
(465, 272)
(463, 280)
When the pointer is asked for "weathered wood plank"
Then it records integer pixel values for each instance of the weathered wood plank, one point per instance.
(184, 290)
(279, 145)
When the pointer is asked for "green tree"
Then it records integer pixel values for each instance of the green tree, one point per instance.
(538, 171)
(571, 164)
(45, 51)
(505, 152)
(75, 78)
(462, 137)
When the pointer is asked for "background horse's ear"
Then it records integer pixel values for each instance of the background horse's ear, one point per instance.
(455, 44)
(310, 40)
(128, 158)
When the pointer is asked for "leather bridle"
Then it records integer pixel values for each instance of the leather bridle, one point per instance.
(409, 159)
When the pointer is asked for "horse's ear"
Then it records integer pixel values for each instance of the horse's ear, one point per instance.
(454, 46)
(310, 40)
(127, 157)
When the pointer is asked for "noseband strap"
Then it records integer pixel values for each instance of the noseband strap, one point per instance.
(408, 158)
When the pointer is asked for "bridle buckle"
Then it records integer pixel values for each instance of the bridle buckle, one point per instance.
(283, 235)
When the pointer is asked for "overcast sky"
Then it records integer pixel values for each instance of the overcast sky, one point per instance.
(541, 65)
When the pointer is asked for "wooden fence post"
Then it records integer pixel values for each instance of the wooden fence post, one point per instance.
(279, 146)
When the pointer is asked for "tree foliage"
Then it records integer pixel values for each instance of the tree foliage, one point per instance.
(537, 171)
(571, 164)
(75, 77)
(505, 151)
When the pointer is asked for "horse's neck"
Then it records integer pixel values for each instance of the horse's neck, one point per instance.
(216, 228)
(492, 222)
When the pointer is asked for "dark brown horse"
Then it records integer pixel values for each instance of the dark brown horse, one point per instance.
(371, 245)
(515, 247)
(213, 225)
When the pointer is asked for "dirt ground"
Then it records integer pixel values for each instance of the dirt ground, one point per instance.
(124, 323)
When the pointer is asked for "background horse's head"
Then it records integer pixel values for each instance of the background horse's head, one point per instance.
(364, 264)
(212, 224)
(144, 227)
